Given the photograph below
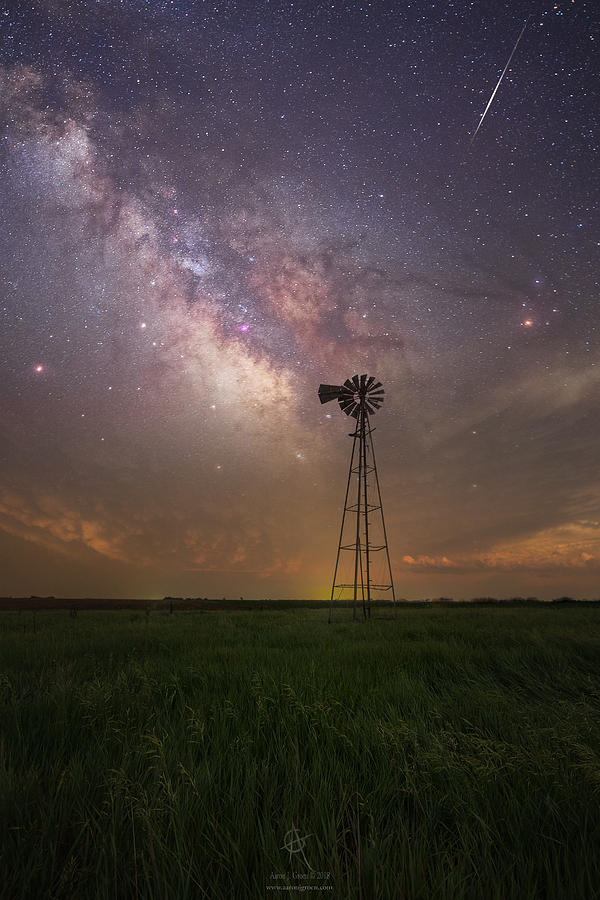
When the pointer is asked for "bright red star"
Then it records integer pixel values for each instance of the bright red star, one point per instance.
(39, 368)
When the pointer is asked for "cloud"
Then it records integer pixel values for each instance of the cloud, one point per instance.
(571, 546)
(50, 522)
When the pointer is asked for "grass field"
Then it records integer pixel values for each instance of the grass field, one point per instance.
(446, 753)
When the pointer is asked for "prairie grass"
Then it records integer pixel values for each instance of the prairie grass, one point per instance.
(446, 753)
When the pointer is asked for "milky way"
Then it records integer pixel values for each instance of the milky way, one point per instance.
(209, 209)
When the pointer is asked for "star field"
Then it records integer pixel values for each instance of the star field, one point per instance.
(211, 208)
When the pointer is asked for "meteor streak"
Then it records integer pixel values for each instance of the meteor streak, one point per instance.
(500, 79)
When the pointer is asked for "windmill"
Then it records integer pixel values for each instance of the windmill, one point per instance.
(360, 397)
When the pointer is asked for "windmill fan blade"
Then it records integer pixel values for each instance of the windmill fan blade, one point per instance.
(376, 393)
(363, 379)
(370, 381)
(356, 382)
(376, 387)
(348, 384)
(329, 392)
(355, 411)
(347, 403)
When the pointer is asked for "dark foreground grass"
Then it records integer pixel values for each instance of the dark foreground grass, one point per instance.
(448, 753)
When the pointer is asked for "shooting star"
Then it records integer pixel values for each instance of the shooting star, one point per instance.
(500, 79)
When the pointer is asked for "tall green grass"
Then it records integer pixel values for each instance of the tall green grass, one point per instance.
(445, 753)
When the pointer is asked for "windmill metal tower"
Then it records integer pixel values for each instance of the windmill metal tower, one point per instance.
(360, 397)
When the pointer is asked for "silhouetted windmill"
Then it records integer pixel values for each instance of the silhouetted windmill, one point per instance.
(360, 397)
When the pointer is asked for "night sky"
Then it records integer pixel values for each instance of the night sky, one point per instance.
(210, 208)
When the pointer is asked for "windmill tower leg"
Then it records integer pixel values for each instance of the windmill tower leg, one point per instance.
(337, 559)
(385, 540)
(366, 613)
(358, 551)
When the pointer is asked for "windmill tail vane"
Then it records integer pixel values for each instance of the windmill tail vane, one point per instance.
(360, 397)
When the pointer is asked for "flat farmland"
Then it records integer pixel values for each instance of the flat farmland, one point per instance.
(440, 753)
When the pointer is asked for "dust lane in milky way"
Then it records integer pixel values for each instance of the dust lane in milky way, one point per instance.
(209, 212)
